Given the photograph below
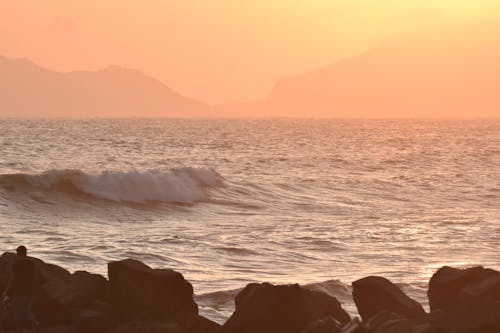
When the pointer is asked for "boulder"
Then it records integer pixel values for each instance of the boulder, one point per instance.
(472, 316)
(201, 324)
(449, 286)
(323, 325)
(92, 321)
(407, 325)
(374, 294)
(96, 317)
(266, 308)
(148, 327)
(355, 326)
(381, 319)
(62, 292)
(50, 272)
(136, 288)
(79, 289)
(59, 329)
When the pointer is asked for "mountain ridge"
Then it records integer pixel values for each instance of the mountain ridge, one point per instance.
(30, 90)
(431, 74)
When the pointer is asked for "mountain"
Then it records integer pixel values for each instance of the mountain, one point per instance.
(450, 71)
(27, 90)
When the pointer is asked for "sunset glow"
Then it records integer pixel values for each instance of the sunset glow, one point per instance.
(250, 166)
(217, 51)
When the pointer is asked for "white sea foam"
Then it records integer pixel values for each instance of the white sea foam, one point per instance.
(182, 185)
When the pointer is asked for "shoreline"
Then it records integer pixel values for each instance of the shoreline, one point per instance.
(137, 298)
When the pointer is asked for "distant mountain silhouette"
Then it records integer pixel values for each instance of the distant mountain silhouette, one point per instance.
(28, 90)
(452, 71)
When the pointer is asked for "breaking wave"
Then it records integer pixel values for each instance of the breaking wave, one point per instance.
(181, 185)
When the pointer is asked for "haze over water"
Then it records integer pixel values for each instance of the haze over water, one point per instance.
(228, 202)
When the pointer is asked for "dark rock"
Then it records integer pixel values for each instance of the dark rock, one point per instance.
(48, 311)
(380, 319)
(97, 317)
(355, 326)
(51, 273)
(148, 327)
(267, 308)
(46, 308)
(201, 324)
(473, 316)
(91, 321)
(449, 286)
(62, 292)
(59, 329)
(136, 288)
(412, 325)
(374, 294)
(79, 289)
(323, 325)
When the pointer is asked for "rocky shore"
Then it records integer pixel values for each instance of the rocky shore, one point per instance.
(137, 298)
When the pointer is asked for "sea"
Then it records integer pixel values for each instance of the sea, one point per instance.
(227, 202)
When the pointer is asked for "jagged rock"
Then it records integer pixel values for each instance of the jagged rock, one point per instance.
(59, 329)
(51, 273)
(148, 327)
(201, 324)
(136, 288)
(62, 292)
(80, 288)
(323, 325)
(266, 308)
(388, 322)
(98, 317)
(449, 286)
(472, 316)
(380, 319)
(354, 326)
(374, 294)
(412, 325)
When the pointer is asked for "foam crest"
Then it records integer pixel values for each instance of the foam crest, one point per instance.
(182, 185)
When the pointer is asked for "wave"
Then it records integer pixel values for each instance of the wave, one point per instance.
(180, 185)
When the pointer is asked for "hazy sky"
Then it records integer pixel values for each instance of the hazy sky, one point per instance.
(215, 50)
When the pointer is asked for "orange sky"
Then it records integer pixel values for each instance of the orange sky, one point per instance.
(218, 51)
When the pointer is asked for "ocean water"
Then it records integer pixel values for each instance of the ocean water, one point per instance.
(228, 202)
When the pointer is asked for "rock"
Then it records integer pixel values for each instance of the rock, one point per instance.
(59, 329)
(449, 286)
(388, 322)
(98, 317)
(354, 326)
(79, 289)
(266, 308)
(47, 309)
(148, 327)
(473, 316)
(374, 294)
(136, 288)
(201, 324)
(50, 272)
(323, 325)
(62, 292)
(382, 318)
(411, 325)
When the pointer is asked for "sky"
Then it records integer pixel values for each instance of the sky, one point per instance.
(217, 51)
